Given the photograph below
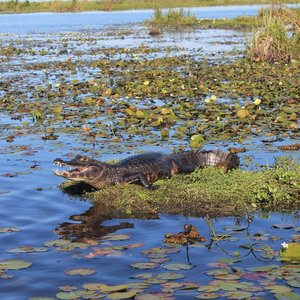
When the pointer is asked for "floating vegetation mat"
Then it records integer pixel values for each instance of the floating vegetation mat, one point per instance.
(73, 85)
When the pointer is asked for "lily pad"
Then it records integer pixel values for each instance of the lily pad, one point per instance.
(291, 252)
(239, 295)
(27, 249)
(14, 264)
(80, 272)
(177, 266)
(207, 296)
(116, 237)
(125, 295)
(145, 265)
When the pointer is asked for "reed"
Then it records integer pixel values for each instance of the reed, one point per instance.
(278, 36)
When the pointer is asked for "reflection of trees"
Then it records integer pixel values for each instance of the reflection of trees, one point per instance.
(88, 225)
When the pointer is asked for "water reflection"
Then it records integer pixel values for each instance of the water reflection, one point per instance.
(89, 225)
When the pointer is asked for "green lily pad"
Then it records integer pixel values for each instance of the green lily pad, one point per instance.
(14, 264)
(196, 141)
(287, 296)
(177, 266)
(68, 295)
(207, 296)
(239, 295)
(125, 295)
(27, 249)
(208, 288)
(291, 252)
(145, 265)
(294, 283)
(113, 288)
(80, 272)
(278, 289)
(116, 237)
(229, 260)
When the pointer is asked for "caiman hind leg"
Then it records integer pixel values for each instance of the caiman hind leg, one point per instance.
(141, 179)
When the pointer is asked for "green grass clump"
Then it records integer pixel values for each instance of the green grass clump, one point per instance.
(278, 36)
(173, 18)
(209, 191)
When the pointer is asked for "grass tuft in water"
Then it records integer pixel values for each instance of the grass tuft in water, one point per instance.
(278, 36)
(173, 18)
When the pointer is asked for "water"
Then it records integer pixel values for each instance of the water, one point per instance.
(64, 22)
(31, 200)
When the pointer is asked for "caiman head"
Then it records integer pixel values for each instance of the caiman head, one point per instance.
(85, 169)
(78, 161)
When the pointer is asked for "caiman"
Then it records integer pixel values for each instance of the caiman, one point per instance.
(143, 169)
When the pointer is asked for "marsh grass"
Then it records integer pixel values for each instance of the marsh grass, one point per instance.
(209, 191)
(277, 38)
(173, 18)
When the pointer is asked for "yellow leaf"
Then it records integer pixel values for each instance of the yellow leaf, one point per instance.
(243, 113)
(57, 110)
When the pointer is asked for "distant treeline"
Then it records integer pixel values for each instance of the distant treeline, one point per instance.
(16, 6)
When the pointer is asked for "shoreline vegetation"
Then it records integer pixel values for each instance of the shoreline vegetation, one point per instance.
(16, 6)
(206, 192)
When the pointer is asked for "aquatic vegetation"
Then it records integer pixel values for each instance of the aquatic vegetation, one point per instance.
(277, 39)
(173, 18)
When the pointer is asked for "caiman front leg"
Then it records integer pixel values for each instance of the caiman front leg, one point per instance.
(141, 179)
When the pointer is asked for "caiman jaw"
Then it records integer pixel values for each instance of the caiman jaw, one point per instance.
(73, 174)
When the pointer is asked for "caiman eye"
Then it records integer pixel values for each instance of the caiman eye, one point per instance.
(84, 158)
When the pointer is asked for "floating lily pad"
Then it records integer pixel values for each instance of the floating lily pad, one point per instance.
(177, 266)
(80, 272)
(145, 265)
(207, 296)
(116, 237)
(125, 295)
(278, 289)
(170, 276)
(229, 260)
(113, 288)
(208, 288)
(14, 264)
(291, 253)
(238, 295)
(27, 249)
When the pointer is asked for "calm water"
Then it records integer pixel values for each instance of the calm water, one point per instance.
(30, 198)
(52, 22)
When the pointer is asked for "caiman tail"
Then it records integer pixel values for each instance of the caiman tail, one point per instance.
(188, 161)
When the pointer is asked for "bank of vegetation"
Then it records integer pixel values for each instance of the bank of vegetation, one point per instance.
(209, 191)
(15, 6)
(276, 30)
